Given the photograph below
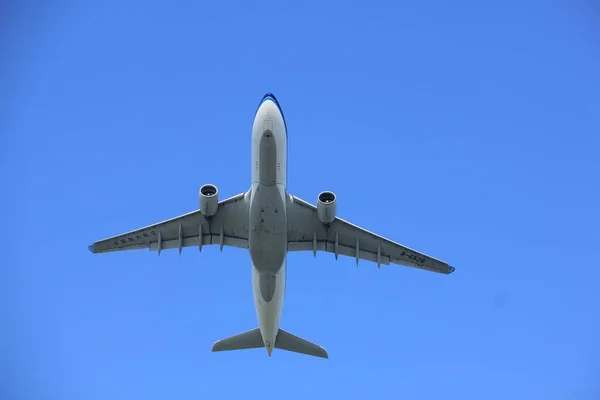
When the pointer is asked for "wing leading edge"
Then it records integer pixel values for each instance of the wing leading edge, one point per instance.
(228, 227)
(307, 233)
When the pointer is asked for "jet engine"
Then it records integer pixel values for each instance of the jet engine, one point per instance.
(326, 207)
(209, 200)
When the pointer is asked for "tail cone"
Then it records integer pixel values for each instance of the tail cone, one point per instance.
(269, 348)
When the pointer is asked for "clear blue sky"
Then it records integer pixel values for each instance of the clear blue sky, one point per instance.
(467, 131)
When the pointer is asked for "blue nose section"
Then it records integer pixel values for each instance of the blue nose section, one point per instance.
(271, 97)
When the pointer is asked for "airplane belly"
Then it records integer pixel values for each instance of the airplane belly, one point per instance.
(267, 222)
(267, 238)
(267, 159)
(268, 311)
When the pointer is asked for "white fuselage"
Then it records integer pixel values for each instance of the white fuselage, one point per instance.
(268, 219)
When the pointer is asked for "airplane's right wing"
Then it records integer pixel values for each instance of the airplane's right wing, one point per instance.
(227, 227)
(307, 233)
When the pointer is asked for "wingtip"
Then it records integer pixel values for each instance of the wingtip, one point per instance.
(451, 270)
(91, 248)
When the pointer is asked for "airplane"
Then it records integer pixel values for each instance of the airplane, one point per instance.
(269, 222)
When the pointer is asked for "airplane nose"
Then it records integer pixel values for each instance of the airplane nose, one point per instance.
(270, 96)
(270, 107)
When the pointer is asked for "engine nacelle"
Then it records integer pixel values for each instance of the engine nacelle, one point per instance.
(326, 207)
(209, 200)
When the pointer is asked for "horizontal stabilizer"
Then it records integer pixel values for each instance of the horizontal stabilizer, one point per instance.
(289, 342)
(248, 340)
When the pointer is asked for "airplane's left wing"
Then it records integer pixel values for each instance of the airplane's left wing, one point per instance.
(307, 233)
(227, 227)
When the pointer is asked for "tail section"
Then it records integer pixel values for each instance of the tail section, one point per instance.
(289, 342)
(248, 340)
(285, 341)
